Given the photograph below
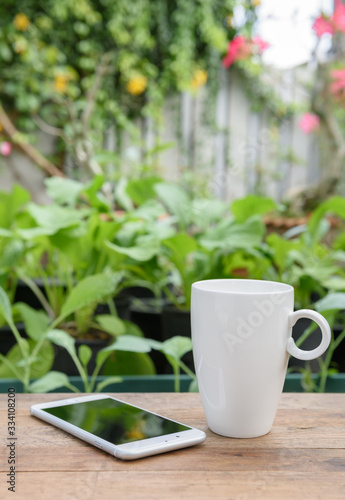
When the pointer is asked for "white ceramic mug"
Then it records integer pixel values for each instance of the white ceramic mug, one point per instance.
(241, 333)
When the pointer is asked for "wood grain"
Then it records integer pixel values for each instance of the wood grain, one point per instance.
(302, 457)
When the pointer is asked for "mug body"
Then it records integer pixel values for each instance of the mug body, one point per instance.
(240, 331)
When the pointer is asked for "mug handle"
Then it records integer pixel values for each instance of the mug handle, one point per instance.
(325, 331)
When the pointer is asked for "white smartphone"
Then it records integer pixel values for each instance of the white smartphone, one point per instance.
(125, 431)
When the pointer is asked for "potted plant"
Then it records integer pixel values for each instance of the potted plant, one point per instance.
(33, 358)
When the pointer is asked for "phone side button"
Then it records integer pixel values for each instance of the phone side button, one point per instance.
(96, 443)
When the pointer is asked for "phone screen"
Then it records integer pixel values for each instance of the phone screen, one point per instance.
(115, 421)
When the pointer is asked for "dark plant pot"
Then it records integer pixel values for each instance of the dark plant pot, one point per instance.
(177, 322)
(7, 339)
(146, 313)
(165, 383)
(123, 301)
(130, 383)
(137, 292)
(335, 383)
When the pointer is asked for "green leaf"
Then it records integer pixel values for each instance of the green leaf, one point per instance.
(85, 354)
(335, 205)
(335, 283)
(5, 306)
(92, 289)
(44, 359)
(36, 322)
(129, 343)
(6, 233)
(176, 200)
(53, 217)
(11, 203)
(252, 205)
(121, 196)
(205, 212)
(176, 346)
(148, 248)
(229, 235)
(63, 190)
(101, 357)
(49, 382)
(332, 302)
(39, 365)
(129, 363)
(111, 324)
(281, 249)
(181, 245)
(63, 339)
(141, 190)
(132, 329)
(193, 386)
(36, 232)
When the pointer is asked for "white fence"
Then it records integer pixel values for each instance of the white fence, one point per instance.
(241, 154)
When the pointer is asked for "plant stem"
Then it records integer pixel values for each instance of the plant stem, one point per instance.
(176, 369)
(112, 307)
(95, 374)
(82, 373)
(32, 285)
(306, 334)
(187, 370)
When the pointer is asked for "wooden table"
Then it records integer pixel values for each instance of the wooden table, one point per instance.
(303, 457)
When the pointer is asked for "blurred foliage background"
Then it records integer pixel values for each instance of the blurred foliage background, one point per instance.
(73, 69)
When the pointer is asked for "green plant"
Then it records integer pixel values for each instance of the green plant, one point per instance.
(39, 326)
(216, 244)
(64, 243)
(312, 257)
(33, 357)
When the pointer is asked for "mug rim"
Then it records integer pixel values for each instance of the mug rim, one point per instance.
(262, 286)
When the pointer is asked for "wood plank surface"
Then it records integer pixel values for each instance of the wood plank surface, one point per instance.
(302, 457)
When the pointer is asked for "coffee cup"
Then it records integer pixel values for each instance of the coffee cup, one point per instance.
(242, 338)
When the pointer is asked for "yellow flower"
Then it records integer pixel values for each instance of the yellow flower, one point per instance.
(21, 22)
(199, 78)
(60, 83)
(256, 3)
(137, 85)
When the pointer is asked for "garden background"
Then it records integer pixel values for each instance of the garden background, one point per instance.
(154, 147)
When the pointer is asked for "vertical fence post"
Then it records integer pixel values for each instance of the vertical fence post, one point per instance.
(219, 182)
(187, 129)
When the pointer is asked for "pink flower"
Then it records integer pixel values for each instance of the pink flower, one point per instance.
(238, 48)
(260, 43)
(337, 87)
(338, 17)
(5, 148)
(309, 122)
(321, 26)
